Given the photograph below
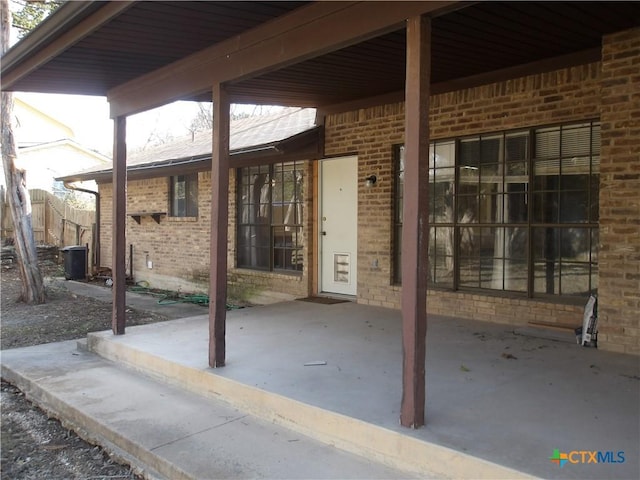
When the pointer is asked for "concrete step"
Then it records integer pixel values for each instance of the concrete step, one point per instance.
(168, 432)
(393, 449)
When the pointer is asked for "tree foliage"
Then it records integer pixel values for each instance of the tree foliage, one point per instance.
(31, 14)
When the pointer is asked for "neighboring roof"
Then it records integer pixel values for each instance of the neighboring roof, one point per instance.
(289, 131)
(20, 103)
(71, 143)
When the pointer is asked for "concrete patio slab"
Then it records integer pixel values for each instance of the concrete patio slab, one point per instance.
(167, 432)
(498, 403)
(504, 398)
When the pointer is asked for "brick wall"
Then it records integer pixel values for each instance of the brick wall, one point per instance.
(371, 133)
(607, 90)
(178, 248)
(619, 258)
(567, 95)
(106, 223)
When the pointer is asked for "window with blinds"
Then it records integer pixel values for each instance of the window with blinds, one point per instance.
(564, 227)
(512, 211)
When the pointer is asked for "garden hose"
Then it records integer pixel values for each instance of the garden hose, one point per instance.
(171, 298)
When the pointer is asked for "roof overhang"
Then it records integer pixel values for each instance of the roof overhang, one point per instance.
(69, 24)
(144, 54)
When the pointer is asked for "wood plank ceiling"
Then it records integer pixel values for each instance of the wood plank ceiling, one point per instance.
(147, 36)
(477, 39)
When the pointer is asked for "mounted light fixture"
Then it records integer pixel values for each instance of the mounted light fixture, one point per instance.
(370, 181)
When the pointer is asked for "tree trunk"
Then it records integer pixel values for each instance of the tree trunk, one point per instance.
(17, 193)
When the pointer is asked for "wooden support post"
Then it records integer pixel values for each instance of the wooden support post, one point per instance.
(119, 250)
(219, 226)
(415, 235)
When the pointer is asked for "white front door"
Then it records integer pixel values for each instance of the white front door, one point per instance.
(339, 225)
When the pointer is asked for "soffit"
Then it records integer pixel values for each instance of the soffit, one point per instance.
(472, 41)
(141, 39)
(476, 39)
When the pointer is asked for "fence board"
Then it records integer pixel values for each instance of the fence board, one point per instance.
(38, 222)
(54, 222)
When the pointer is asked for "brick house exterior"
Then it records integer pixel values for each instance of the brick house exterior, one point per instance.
(606, 91)
(183, 265)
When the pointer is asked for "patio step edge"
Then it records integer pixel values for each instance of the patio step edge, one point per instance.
(143, 461)
(367, 440)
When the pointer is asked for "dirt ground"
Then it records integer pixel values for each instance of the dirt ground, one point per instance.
(33, 445)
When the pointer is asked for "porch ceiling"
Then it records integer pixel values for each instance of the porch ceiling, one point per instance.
(472, 41)
(137, 39)
(469, 42)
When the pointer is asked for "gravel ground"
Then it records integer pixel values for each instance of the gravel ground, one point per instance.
(34, 446)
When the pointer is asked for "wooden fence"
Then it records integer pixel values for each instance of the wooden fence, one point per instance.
(54, 221)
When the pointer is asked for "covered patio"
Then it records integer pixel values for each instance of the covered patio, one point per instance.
(492, 394)
(513, 400)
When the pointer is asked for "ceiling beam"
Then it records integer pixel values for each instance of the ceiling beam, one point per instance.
(307, 32)
(29, 54)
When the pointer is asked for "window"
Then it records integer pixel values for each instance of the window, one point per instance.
(565, 209)
(442, 174)
(515, 211)
(398, 175)
(491, 207)
(270, 203)
(183, 195)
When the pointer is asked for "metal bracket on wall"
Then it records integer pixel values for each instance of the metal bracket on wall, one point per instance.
(154, 215)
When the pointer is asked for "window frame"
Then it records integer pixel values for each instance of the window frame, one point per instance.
(191, 196)
(396, 217)
(283, 244)
(582, 230)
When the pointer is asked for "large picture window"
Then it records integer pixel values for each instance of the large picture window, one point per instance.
(270, 203)
(514, 211)
(184, 195)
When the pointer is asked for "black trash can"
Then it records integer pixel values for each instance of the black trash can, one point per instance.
(75, 262)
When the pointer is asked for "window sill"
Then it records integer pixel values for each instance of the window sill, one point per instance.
(182, 219)
(268, 273)
(572, 300)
